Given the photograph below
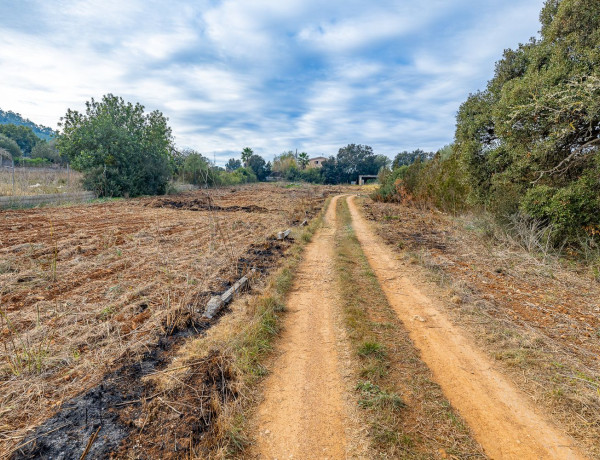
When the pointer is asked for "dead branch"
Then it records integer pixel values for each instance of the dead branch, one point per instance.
(577, 152)
(90, 442)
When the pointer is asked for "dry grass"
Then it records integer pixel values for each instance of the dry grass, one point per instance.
(535, 313)
(407, 414)
(38, 181)
(87, 288)
(243, 342)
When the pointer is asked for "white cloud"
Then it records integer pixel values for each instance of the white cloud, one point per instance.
(273, 75)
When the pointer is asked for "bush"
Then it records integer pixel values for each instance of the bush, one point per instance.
(444, 184)
(10, 146)
(22, 135)
(46, 150)
(572, 211)
(312, 175)
(121, 150)
(391, 186)
(196, 169)
(439, 182)
(34, 162)
(239, 176)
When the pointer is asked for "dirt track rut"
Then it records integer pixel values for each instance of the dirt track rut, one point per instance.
(502, 418)
(302, 415)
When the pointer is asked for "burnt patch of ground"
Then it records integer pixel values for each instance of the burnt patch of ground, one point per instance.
(130, 417)
(83, 287)
(182, 422)
(205, 203)
(66, 435)
(263, 256)
(106, 407)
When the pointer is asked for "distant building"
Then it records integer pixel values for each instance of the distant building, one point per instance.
(316, 162)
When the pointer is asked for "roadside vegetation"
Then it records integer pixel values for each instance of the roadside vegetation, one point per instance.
(536, 316)
(526, 147)
(406, 411)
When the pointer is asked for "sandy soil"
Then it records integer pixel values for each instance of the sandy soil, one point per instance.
(502, 418)
(302, 415)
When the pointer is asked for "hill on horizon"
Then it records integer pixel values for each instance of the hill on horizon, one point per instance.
(43, 132)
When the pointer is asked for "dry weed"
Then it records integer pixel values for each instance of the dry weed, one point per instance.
(535, 313)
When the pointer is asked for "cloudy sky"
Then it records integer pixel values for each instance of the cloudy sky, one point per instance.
(274, 75)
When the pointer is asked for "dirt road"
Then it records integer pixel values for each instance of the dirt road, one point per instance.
(302, 415)
(502, 418)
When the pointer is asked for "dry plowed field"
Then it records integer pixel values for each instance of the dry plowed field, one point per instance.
(93, 297)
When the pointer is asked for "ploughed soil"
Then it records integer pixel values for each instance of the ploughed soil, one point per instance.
(537, 316)
(95, 297)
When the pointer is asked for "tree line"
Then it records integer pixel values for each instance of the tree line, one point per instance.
(21, 144)
(527, 146)
(122, 150)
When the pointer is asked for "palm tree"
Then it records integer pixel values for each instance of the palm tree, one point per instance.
(303, 160)
(246, 154)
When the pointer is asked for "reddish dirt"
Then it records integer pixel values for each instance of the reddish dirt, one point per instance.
(563, 303)
(302, 415)
(502, 418)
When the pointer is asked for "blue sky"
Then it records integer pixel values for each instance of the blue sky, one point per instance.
(272, 75)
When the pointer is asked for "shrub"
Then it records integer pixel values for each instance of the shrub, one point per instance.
(10, 146)
(571, 211)
(239, 176)
(34, 162)
(440, 182)
(391, 186)
(312, 175)
(120, 149)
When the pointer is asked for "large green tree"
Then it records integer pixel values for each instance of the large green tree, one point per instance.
(356, 159)
(259, 167)
(330, 171)
(22, 135)
(121, 150)
(530, 141)
(10, 147)
(233, 164)
(406, 158)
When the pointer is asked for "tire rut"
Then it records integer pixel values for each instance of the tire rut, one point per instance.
(302, 414)
(503, 420)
